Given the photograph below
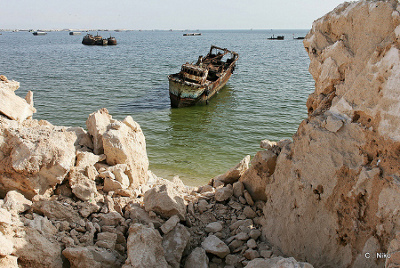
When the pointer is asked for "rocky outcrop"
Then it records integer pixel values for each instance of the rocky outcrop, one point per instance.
(13, 106)
(332, 193)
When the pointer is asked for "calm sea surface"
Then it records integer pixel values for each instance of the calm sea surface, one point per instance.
(264, 99)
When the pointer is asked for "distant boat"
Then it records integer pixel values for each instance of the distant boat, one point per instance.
(88, 40)
(39, 33)
(279, 37)
(74, 33)
(191, 34)
(111, 41)
(91, 40)
(299, 38)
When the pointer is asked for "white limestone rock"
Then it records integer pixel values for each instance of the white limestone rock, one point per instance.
(13, 106)
(124, 143)
(97, 124)
(165, 200)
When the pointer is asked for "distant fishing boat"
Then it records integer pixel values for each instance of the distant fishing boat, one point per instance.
(279, 37)
(299, 38)
(89, 40)
(191, 34)
(112, 41)
(197, 83)
(39, 33)
(74, 33)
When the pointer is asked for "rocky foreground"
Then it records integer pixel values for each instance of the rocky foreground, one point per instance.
(77, 198)
(329, 198)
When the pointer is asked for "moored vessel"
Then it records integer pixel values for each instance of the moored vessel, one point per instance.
(197, 83)
(279, 37)
(111, 41)
(39, 33)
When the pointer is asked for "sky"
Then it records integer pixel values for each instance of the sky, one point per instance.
(162, 15)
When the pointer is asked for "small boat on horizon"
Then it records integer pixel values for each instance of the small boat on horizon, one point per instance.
(191, 34)
(39, 33)
(112, 41)
(98, 40)
(197, 83)
(279, 37)
(74, 33)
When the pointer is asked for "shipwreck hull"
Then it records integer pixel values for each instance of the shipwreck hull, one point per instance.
(183, 94)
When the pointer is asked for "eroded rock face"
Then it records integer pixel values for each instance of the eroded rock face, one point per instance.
(338, 180)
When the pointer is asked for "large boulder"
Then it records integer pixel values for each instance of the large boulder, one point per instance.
(35, 250)
(165, 200)
(174, 242)
(124, 143)
(92, 257)
(259, 174)
(35, 156)
(339, 179)
(144, 248)
(11, 105)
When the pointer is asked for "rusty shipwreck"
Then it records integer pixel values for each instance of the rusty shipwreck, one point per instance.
(197, 82)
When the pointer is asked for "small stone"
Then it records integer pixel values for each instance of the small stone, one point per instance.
(251, 243)
(235, 244)
(266, 253)
(218, 183)
(213, 227)
(249, 212)
(248, 198)
(242, 200)
(251, 254)
(238, 189)
(216, 246)
(223, 193)
(232, 260)
(170, 224)
(197, 258)
(255, 233)
(202, 205)
(206, 188)
(242, 236)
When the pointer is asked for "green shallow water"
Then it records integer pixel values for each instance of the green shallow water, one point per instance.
(264, 99)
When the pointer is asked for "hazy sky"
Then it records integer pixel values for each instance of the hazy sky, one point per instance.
(163, 15)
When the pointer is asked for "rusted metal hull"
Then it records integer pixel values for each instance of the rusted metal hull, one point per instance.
(184, 95)
(197, 83)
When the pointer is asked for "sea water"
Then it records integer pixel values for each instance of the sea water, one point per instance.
(264, 99)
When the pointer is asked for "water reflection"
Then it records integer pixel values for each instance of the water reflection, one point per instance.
(153, 99)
